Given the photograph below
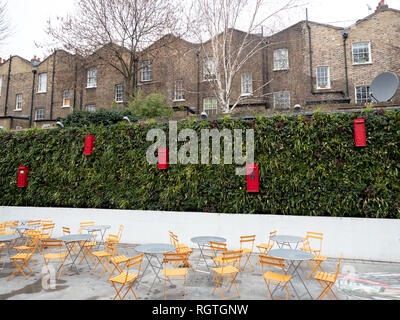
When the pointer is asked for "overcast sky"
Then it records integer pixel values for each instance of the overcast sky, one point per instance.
(29, 17)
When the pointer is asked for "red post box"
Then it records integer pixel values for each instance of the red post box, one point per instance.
(359, 133)
(163, 159)
(253, 178)
(23, 173)
(89, 145)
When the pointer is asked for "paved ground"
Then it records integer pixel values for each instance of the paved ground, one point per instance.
(358, 280)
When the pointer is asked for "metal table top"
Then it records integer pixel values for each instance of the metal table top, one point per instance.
(155, 248)
(207, 240)
(96, 228)
(8, 237)
(25, 227)
(287, 239)
(292, 255)
(76, 238)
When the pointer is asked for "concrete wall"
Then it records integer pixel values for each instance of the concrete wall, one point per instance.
(361, 239)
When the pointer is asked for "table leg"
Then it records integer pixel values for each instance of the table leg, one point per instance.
(202, 256)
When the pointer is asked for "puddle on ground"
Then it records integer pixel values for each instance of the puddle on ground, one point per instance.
(35, 287)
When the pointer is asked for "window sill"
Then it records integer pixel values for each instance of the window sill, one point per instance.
(41, 92)
(181, 100)
(95, 87)
(18, 110)
(275, 70)
(361, 63)
(65, 107)
(246, 95)
(327, 88)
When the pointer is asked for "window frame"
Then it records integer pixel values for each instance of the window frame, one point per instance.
(36, 114)
(18, 104)
(88, 106)
(64, 99)
(328, 86)
(116, 93)
(288, 100)
(179, 91)
(249, 83)
(41, 84)
(91, 74)
(210, 110)
(368, 96)
(210, 74)
(369, 52)
(147, 68)
(276, 61)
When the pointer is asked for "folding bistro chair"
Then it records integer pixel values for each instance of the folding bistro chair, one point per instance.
(327, 281)
(175, 273)
(181, 248)
(228, 271)
(315, 242)
(280, 279)
(32, 239)
(127, 278)
(88, 245)
(66, 232)
(59, 255)
(316, 262)
(265, 248)
(217, 251)
(117, 260)
(103, 257)
(21, 260)
(247, 246)
(45, 233)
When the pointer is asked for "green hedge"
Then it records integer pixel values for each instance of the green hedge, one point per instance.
(308, 166)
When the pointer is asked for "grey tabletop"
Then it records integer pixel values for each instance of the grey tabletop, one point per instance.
(292, 255)
(96, 228)
(8, 237)
(155, 248)
(25, 227)
(287, 239)
(76, 238)
(208, 239)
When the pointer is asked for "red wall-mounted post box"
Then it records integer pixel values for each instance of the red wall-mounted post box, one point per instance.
(359, 133)
(163, 159)
(253, 178)
(23, 173)
(89, 145)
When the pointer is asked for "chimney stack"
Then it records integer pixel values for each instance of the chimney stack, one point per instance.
(35, 60)
(381, 6)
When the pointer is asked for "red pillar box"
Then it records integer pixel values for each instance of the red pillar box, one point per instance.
(253, 178)
(163, 159)
(359, 133)
(23, 173)
(89, 145)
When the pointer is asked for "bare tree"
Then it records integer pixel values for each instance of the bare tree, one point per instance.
(227, 50)
(4, 23)
(115, 32)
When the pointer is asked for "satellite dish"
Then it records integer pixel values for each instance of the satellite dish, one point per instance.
(384, 87)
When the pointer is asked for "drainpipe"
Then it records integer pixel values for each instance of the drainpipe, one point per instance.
(198, 81)
(310, 54)
(34, 71)
(52, 86)
(8, 85)
(345, 35)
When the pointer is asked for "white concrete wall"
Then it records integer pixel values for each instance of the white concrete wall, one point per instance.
(364, 239)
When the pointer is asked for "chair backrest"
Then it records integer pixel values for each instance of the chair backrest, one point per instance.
(43, 222)
(66, 231)
(173, 238)
(35, 223)
(247, 242)
(111, 246)
(271, 262)
(174, 258)
(11, 224)
(85, 224)
(218, 248)
(121, 228)
(113, 238)
(47, 229)
(34, 243)
(338, 267)
(231, 259)
(52, 243)
(134, 262)
(317, 237)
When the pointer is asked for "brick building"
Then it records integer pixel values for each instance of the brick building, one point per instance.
(308, 64)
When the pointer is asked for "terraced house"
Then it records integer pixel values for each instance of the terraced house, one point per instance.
(307, 65)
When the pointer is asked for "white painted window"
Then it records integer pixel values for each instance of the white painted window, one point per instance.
(362, 53)
(39, 114)
(179, 90)
(147, 70)
(91, 108)
(282, 100)
(281, 59)
(362, 94)
(119, 93)
(247, 84)
(42, 87)
(210, 105)
(67, 98)
(323, 78)
(92, 78)
(209, 68)
(18, 103)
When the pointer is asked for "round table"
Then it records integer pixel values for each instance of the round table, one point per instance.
(283, 240)
(203, 242)
(98, 228)
(151, 251)
(70, 241)
(295, 259)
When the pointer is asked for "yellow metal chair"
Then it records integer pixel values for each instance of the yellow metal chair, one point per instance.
(22, 259)
(35, 223)
(273, 278)
(247, 246)
(32, 239)
(127, 278)
(103, 257)
(316, 262)
(315, 240)
(175, 273)
(327, 281)
(117, 260)
(120, 230)
(181, 248)
(265, 248)
(228, 271)
(88, 246)
(53, 251)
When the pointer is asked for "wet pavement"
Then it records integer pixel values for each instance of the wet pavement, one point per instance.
(357, 280)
